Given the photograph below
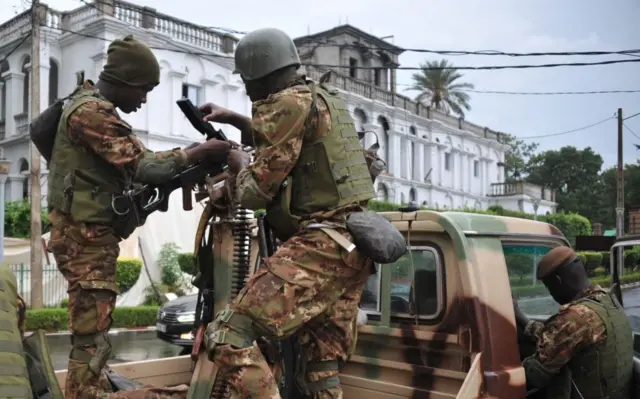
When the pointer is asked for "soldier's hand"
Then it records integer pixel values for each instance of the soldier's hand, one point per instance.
(216, 113)
(215, 149)
(238, 160)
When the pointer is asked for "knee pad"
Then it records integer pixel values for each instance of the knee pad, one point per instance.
(229, 328)
(100, 345)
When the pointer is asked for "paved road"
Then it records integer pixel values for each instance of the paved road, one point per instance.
(128, 346)
(142, 345)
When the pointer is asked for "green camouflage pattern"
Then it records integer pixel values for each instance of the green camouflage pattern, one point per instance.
(115, 158)
(14, 376)
(592, 338)
(310, 286)
(86, 256)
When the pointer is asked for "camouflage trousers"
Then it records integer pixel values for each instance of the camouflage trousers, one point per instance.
(310, 287)
(150, 392)
(86, 256)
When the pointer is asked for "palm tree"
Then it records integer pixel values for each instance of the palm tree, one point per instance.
(437, 87)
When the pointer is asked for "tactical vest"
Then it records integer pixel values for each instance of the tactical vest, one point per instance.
(14, 373)
(605, 370)
(81, 183)
(330, 173)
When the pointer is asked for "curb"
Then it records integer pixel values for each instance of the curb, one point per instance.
(113, 331)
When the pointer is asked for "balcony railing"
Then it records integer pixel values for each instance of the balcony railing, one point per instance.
(141, 17)
(522, 188)
(368, 90)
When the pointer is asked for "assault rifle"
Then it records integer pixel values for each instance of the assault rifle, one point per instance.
(155, 197)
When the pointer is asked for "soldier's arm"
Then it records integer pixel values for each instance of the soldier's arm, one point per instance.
(559, 340)
(532, 329)
(280, 124)
(97, 127)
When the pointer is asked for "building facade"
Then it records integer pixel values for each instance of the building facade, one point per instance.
(433, 159)
(195, 63)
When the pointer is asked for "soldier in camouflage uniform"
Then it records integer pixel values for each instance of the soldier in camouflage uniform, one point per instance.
(95, 156)
(310, 174)
(586, 349)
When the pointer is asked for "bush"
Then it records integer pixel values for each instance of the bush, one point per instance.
(188, 263)
(17, 219)
(57, 318)
(127, 273)
(168, 262)
(600, 271)
(606, 260)
(592, 260)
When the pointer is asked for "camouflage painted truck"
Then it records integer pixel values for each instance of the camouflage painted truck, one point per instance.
(440, 321)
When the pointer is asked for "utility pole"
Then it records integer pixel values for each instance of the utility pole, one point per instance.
(620, 194)
(34, 175)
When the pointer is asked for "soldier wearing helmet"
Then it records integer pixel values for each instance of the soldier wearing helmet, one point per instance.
(310, 174)
(586, 349)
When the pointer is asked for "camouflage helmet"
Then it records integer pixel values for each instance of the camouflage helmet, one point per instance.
(263, 51)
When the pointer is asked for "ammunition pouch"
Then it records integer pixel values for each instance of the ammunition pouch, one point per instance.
(376, 237)
(282, 222)
(44, 383)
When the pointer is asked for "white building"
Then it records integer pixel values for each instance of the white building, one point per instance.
(433, 159)
(196, 63)
(437, 160)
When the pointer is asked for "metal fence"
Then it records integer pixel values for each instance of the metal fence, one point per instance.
(54, 286)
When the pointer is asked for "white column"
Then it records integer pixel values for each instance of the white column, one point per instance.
(440, 164)
(394, 154)
(418, 160)
(471, 175)
(14, 82)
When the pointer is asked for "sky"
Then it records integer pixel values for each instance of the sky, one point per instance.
(473, 25)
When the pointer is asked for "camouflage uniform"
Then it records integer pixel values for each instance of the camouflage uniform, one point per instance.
(150, 392)
(565, 337)
(311, 286)
(86, 253)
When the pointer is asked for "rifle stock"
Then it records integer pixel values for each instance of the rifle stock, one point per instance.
(150, 198)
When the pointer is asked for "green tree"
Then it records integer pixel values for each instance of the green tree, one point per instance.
(17, 219)
(517, 156)
(575, 175)
(439, 89)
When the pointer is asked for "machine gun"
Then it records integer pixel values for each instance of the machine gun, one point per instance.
(155, 197)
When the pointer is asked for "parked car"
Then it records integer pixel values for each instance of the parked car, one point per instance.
(175, 321)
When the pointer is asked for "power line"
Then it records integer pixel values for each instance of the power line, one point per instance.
(568, 131)
(541, 93)
(6, 57)
(632, 116)
(630, 131)
(327, 66)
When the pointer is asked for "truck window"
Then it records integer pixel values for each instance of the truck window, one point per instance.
(522, 260)
(427, 271)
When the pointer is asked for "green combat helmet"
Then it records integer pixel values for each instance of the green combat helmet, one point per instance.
(264, 51)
